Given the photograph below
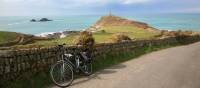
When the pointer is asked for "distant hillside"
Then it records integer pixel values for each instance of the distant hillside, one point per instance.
(114, 21)
(13, 38)
(7, 36)
(103, 31)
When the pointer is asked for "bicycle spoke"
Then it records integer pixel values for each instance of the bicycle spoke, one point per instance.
(62, 74)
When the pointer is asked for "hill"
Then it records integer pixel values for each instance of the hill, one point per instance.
(114, 24)
(115, 21)
(104, 28)
(7, 36)
(13, 38)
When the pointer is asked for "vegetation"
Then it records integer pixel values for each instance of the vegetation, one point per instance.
(119, 37)
(131, 31)
(68, 40)
(99, 36)
(85, 38)
(179, 33)
(112, 20)
(13, 38)
(104, 36)
(7, 36)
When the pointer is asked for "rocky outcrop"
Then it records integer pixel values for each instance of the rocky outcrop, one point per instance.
(33, 20)
(41, 20)
(44, 19)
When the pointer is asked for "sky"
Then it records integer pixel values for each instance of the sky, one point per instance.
(95, 7)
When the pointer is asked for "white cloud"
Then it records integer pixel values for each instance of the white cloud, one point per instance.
(97, 2)
(25, 6)
(19, 7)
(134, 1)
(75, 2)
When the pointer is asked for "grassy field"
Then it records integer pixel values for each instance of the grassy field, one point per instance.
(132, 32)
(101, 37)
(7, 36)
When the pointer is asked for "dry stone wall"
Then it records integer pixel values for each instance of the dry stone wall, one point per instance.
(15, 63)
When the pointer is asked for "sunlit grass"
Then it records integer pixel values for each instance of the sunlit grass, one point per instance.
(132, 32)
(101, 37)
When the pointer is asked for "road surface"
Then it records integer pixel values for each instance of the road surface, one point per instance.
(177, 67)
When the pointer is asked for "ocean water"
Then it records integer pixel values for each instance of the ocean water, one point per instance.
(61, 23)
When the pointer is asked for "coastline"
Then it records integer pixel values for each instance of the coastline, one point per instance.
(54, 35)
(22, 24)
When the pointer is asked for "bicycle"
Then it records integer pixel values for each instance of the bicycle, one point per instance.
(62, 73)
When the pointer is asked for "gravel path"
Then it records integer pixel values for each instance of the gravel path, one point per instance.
(177, 67)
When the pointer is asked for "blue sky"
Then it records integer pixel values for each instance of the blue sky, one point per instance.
(91, 7)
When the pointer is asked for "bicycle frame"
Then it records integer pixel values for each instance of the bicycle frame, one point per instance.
(65, 58)
(77, 62)
(66, 66)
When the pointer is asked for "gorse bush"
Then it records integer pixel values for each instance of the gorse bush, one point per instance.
(119, 37)
(103, 31)
(85, 38)
(178, 33)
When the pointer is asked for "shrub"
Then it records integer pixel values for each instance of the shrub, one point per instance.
(176, 33)
(85, 38)
(119, 37)
(103, 31)
(188, 33)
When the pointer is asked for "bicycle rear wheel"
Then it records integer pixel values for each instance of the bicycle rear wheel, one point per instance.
(62, 74)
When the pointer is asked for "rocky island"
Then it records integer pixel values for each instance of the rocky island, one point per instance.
(44, 19)
(41, 20)
(33, 20)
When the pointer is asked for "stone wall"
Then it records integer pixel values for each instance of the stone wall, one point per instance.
(14, 63)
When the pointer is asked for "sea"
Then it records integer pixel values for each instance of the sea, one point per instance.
(22, 24)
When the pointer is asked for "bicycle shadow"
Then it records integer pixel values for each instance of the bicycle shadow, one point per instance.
(96, 75)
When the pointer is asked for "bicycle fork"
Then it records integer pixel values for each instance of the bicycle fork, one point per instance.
(77, 64)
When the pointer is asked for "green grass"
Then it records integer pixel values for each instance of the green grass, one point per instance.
(100, 37)
(42, 79)
(7, 36)
(132, 32)
(67, 40)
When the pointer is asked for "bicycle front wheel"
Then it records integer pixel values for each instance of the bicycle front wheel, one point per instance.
(62, 74)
